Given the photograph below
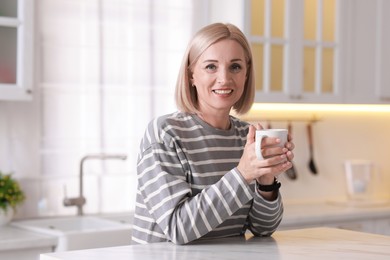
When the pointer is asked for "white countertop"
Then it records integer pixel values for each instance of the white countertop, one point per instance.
(316, 243)
(12, 238)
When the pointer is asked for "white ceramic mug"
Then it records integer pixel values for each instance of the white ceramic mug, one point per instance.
(260, 134)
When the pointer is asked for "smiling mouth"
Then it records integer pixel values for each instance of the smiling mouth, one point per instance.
(223, 91)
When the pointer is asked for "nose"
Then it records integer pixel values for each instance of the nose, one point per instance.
(223, 76)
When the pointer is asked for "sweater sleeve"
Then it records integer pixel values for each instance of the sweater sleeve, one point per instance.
(265, 216)
(166, 192)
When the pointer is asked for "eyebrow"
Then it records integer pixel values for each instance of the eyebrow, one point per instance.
(233, 60)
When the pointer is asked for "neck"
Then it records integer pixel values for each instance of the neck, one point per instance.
(217, 121)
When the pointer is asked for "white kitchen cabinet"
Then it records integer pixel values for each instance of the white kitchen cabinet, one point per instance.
(383, 53)
(369, 53)
(16, 52)
(317, 51)
(298, 49)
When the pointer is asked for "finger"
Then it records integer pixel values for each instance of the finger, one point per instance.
(259, 126)
(250, 138)
(290, 155)
(271, 161)
(290, 146)
(270, 141)
(275, 170)
(273, 151)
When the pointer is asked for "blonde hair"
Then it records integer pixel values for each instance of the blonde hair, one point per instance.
(185, 95)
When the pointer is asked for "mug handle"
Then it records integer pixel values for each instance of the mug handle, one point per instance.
(259, 139)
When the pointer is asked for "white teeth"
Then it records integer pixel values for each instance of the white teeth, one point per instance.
(223, 91)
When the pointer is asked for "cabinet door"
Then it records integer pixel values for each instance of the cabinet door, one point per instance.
(367, 52)
(296, 50)
(383, 52)
(16, 49)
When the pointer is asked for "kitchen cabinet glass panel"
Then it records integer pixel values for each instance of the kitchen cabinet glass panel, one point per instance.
(310, 17)
(277, 68)
(277, 20)
(309, 69)
(319, 45)
(8, 8)
(268, 42)
(257, 11)
(258, 52)
(8, 52)
(329, 20)
(327, 70)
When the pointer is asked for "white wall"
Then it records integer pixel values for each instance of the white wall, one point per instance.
(222, 11)
(19, 138)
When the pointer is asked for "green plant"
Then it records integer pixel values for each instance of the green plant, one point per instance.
(11, 194)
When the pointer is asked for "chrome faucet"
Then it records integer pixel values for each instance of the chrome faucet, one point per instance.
(80, 201)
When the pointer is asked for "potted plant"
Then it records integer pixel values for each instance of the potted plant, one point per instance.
(11, 195)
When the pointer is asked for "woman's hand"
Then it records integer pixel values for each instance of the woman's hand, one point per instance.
(277, 159)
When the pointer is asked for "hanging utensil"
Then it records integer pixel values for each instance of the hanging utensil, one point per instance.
(312, 165)
(291, 173)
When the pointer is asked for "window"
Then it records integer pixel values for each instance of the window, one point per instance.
(106, 69)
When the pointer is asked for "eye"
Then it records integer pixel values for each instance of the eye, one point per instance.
(211, 67)
(235, 67)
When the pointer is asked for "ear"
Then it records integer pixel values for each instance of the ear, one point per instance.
(191, 77)
(192, 81)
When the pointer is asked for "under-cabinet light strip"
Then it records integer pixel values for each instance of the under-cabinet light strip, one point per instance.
(321, 107)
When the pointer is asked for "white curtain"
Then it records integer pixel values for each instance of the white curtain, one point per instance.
(106, 68)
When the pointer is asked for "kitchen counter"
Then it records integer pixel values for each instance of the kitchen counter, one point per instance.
(12, 238)
(315, 243)
(20, 244)
(323, 213)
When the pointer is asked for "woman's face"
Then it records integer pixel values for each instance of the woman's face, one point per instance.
(219, 76)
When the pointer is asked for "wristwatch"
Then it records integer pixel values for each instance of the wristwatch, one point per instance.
(272, 187)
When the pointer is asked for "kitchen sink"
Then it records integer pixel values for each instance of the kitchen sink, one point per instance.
(81, 232)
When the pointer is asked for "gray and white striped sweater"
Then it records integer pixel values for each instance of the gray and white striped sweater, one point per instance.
(189, 187)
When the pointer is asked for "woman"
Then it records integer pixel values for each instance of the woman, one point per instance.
(198, 175)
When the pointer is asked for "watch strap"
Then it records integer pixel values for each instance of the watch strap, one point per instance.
(271, 187)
